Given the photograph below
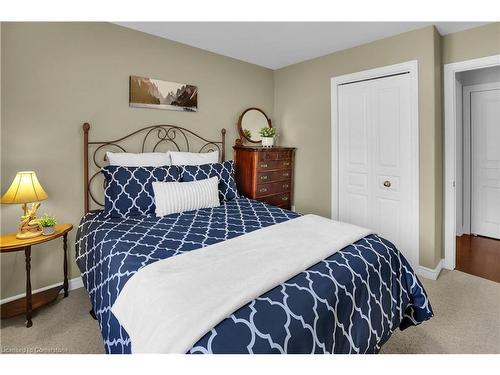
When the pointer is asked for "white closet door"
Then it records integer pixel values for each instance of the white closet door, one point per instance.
(485, 162)
(375, 149)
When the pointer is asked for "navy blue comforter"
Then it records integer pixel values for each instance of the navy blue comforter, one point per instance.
(350, 302)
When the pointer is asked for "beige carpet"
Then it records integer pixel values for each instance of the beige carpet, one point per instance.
(467, 320)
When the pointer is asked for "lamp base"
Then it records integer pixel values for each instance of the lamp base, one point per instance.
(29, 226)
(26, 235)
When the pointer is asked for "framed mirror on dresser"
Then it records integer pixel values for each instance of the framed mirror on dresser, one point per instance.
(250, 123)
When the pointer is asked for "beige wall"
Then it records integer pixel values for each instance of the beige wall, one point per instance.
(58, 75)
(439, 147)
(471, 44)
(302, 114)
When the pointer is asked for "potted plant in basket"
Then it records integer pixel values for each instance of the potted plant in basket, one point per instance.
(47, 223)
(267, 136)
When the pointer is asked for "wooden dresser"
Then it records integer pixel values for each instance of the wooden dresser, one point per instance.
(265, 174)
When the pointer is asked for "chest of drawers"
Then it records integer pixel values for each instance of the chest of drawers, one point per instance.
(265, 174)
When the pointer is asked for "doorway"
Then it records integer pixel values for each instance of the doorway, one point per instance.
(472, 167)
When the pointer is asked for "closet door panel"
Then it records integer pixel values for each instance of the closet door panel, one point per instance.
(354, 156)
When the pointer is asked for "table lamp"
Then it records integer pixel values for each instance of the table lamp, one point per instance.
(26, 189)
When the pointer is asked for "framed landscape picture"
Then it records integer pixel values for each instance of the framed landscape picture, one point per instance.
(154, 93)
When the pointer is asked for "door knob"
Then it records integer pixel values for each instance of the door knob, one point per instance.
(387, 183)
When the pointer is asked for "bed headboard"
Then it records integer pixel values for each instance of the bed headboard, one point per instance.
(148, 139)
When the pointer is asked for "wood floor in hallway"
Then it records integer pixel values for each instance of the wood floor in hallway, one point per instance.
(479, 256)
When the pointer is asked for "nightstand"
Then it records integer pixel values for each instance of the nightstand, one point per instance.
(9, 243)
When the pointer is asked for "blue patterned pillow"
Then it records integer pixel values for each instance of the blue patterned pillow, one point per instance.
(224, 171)
(129, 190)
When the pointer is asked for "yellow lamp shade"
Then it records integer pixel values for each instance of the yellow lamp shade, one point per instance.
(24, 189)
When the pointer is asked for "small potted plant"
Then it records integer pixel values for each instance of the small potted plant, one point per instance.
(47, 223)
(267, 136)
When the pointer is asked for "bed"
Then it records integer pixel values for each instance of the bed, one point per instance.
(349, 302)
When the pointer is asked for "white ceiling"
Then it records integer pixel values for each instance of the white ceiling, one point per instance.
(278, 44)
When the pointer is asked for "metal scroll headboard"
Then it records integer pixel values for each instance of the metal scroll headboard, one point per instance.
(153, 138)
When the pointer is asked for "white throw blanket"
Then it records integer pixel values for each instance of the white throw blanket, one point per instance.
(169, 305)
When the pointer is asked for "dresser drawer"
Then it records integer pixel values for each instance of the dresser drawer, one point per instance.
(277, 200)
(273, 188)
(266, 165)
(272, 176)
(275, 155)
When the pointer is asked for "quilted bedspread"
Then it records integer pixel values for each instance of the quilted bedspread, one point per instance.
(350, 302)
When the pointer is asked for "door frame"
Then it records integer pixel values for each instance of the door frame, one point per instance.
(466, 198)
(411, 67)
(452, 161)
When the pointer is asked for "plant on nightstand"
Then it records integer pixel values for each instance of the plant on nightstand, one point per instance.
(267, 136)
(47, 222)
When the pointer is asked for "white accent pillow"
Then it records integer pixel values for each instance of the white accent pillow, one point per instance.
(194, 158)
(144, 159)
(174, 197)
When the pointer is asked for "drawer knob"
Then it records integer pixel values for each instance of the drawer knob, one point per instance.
(263, 165)
(285, 198)
(285, 186)
(263, 177)
(263, 190)
(285, 174)
(387, 183)
(286, 164)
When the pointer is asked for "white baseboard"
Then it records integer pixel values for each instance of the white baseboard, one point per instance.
(429, 273)
(75, 283)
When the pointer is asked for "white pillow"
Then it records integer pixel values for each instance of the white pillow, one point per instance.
(174, 197)
(144, 159)
(194, 158)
